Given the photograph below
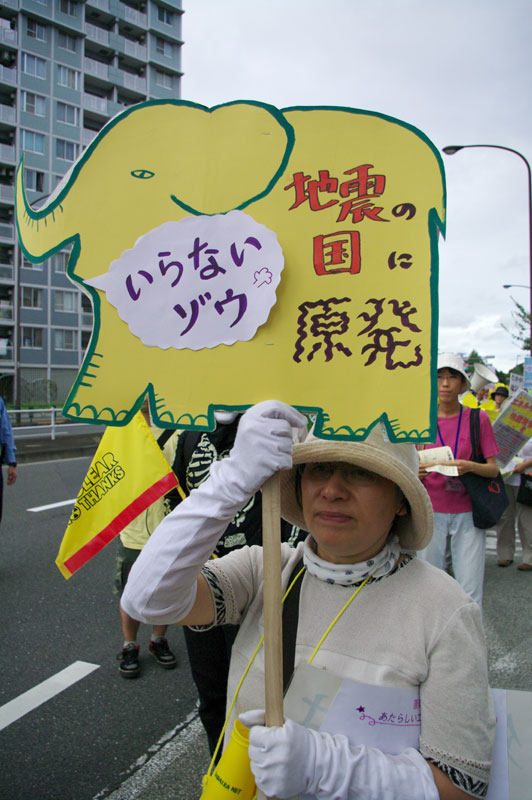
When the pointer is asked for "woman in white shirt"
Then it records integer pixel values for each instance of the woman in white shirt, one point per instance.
(410, 625)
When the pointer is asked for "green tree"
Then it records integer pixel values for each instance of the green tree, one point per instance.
(504, 377)
(472, 359)
(521, 332)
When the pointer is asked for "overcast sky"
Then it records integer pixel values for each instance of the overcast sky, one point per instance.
(460, 70)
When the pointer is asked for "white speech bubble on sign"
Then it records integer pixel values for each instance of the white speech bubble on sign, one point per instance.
(198, 282)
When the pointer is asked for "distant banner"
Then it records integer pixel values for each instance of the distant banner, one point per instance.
(517, 382)
(513, 427)
(127, 474)
(528, 373)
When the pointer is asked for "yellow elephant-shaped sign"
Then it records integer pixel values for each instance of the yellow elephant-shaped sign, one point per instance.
(334, 213)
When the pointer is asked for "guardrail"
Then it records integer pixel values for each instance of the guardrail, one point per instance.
(27, 420)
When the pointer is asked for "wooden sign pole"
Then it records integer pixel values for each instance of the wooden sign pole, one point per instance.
(273, 632)
(273, 624)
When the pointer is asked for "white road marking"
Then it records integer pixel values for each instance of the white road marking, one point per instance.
(44, 691)
(53, 505)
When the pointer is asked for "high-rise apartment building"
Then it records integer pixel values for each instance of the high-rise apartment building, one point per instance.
(66, 68)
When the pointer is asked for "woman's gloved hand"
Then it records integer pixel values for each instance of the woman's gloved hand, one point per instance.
(282, 759)
(262, 447)
(161, 587)
(293, 760)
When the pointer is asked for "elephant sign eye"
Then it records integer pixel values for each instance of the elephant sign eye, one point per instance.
(143, 174)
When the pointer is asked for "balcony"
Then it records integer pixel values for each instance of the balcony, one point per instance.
(8, 75)
(101, 4)
(6, 272)
(135, 49)
(95, 103)
(8, 36)
(8, 153)
(129, 14)
(134, 82)
(7, 193)
(87, 136)
(87, 319)
(11, 4)
(7, 311)
(116, 107)
(96, 34)
(7, 231)
(8, 114)
(96, 68)
(6, 350)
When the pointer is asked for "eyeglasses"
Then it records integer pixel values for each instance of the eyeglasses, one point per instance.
(449, 376)
(350, 473)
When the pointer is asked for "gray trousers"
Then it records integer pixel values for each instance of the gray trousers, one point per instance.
(516, 515)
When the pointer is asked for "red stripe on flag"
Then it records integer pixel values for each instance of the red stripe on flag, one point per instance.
(129, 513)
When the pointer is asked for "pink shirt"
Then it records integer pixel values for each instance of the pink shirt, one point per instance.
(449, 495)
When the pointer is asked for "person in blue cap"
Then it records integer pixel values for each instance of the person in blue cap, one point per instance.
(7, 455)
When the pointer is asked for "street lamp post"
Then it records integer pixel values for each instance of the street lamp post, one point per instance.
(452, 149)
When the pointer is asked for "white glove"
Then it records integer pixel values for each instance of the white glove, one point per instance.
(293, 760)
(161, 587)
(263, 446)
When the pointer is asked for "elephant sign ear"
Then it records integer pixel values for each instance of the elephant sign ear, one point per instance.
(234, 154)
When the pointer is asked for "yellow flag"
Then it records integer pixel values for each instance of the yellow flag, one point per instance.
(127, 474)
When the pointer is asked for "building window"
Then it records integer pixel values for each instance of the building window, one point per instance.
(65, 339)
(67, 41)
(30, 265)
(34, 180)
(33, 65)
(34, 103)
(66, 150)
(31, 298)
(68, 7)
(164, 15)
(164, 79)
(164, 48)
(36, 30)
(67, 113)
(67, 77)
(59, 262)
(32, 337)
(64, 301)
(33, 142)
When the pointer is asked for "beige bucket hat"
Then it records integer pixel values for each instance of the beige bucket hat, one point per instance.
(397, 462)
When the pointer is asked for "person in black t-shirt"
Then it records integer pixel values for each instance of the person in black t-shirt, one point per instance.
(209, 651)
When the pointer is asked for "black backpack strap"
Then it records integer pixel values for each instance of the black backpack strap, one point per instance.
(165, 435)
(290, 621)
(474, 432)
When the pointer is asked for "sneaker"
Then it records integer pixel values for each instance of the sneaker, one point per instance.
(162, 653)
(129, 666)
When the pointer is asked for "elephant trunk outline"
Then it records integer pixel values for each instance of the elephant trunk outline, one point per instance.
(44, 221)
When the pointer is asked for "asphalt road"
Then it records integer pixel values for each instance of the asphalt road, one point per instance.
(84, 742)
(105, 737)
